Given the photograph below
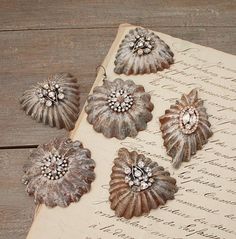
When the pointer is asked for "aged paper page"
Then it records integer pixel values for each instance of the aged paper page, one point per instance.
(205, 205)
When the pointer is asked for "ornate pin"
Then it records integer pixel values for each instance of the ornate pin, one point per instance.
(54, 102)
(138, 185)
(119, 108)
(59, 172)
(142, 52)
(185, 128)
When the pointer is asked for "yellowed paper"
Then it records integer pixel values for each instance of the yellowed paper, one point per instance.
(205, 206)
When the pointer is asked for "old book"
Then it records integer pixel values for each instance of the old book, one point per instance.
(205, 205)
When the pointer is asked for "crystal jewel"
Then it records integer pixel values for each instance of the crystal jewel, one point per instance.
(54, 166)
(120, 101)
(50, 93)
(138, 176)
(189, 120)
(142, 44)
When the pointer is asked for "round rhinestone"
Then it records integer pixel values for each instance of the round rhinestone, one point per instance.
(127, 179)
(131, 183)
(48, 103)
(137, 173)
(127, 170)
(51, 94)
(147, 50)
(139, 177)
(144, 185)
(42, 100)
(61, 96)
(140, 52)
(141, 164)
(46, 86)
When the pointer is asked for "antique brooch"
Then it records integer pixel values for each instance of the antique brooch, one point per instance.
(142, 51)
(54, 102)
(119, 108)
(59, 172)
(185, 128)
(138, 185)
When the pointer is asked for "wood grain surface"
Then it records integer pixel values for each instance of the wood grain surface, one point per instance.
(39, 38)
(16, 208)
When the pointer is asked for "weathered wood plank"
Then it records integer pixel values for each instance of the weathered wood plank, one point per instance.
(35, 14)
(16, 208)
(29, 56)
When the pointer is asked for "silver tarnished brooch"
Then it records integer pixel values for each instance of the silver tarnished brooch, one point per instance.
(59, 172)
(142, 51)
(54, 102)
(185, 128)
(138, 185)
(119, 108)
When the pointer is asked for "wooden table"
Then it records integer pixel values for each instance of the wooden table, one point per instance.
(38, 38)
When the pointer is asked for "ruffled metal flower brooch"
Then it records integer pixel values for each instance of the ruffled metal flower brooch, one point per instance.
(119, 108)
(59, 172)
(138, 185)
(54, 102)
(185, 128)
(142, 52)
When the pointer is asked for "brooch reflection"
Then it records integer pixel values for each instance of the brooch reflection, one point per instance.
(54, 102)
(138, 185)
(59, 172)
(119, 108)
(142, 52)
(185, 128)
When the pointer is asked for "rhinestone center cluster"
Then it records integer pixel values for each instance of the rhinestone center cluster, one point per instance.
(54, 167)
(189, 118)
(120, 101)
(50, 93)
(139, 177)
(142, 44)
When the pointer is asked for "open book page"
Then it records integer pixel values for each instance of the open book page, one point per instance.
(205, 205)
